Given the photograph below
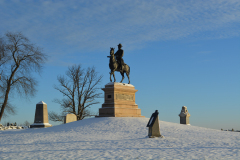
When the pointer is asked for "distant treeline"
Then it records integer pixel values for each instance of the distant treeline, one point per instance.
(232, 130)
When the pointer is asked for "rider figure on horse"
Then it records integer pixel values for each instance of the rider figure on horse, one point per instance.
(119, 54)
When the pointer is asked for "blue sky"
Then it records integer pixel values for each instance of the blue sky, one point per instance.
(180, 52)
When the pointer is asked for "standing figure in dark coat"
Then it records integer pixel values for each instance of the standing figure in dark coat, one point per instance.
(119, 54)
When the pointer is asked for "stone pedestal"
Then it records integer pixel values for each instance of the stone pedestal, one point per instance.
(41, 116)
(184, 116)
(119, 101)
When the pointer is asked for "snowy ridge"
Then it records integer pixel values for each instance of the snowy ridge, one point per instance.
(118, 138)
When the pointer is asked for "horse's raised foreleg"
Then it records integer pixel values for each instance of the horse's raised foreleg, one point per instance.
(122, 73)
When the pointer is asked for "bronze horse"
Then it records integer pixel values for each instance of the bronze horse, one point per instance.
(114, 66)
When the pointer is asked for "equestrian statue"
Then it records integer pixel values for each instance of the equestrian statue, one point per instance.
(116, 63)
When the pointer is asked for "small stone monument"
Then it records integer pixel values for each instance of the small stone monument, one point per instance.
(70, 118)
(41, 116)
(184, 116)
(153, 126)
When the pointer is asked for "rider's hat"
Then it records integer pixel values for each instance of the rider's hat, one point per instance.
(120, 45)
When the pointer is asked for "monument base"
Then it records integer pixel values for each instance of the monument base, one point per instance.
(119, 101)
(40, 125)
(119, 112)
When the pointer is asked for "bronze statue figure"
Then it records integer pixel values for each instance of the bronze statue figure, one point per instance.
(119, 54)
(118, 65)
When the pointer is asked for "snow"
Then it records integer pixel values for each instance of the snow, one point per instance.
(151, 121)
(41, 102)
(118, 138)
(119, 84)
(41, 124)
(182, 114)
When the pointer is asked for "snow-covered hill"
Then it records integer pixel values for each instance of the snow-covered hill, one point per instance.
(118, 138)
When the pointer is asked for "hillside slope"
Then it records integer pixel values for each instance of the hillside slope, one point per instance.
(118, 138)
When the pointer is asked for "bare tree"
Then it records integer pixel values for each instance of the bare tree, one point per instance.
(80, 91)
(4, 56)
(53, 116)
(26, 123)
(18, 59)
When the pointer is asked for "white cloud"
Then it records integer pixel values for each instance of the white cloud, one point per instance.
(100, 24)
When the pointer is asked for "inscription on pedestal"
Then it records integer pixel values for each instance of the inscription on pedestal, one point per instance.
(124, 97)
(119, 101)
(39, 114)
